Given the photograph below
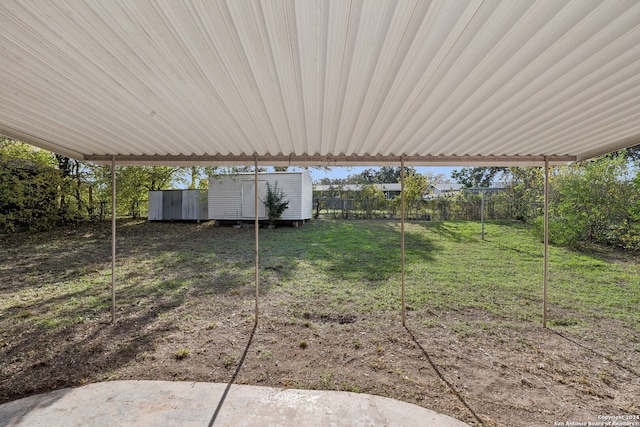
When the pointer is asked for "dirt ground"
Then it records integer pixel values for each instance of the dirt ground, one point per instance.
(481, 369)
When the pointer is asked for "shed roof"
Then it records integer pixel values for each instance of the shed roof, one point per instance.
(445, 186)
(447, 82)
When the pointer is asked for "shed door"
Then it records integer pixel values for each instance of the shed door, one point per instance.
(248, 199)
(172, 205)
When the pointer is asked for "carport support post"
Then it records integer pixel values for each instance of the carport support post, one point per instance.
(546, 242)
(404, 319)
(257, 227)
(113, 239)
(482, 213)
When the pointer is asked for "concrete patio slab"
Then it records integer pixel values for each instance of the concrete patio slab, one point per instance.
(163, 403)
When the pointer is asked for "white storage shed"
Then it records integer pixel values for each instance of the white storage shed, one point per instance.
(178, 205)
(232, 197)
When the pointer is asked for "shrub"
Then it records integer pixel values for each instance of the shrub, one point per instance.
(275, 202)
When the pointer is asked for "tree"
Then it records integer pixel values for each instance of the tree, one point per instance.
(593, 201)
(76, 184)
(29, 188)
(275, 202)
(477, 176)
(525, 193)
(390, 174)
(385, 175)
(371, 198)
(633, 153)
(133, 184)
(443, 206)
(367, 176)
(12, 149)
(415, 185)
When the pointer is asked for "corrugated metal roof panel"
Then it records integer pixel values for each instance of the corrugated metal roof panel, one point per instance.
(305, 81)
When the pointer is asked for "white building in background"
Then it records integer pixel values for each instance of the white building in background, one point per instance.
(444, 189)
(232, 197)
(390, 190)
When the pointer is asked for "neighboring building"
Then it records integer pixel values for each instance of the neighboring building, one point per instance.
(443, 189)
(448, 189)
(390, 190)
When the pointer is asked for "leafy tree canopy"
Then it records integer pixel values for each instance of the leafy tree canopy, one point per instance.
(477, 176)
(12, 149)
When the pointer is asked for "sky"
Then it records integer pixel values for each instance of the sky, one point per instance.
(343, 172)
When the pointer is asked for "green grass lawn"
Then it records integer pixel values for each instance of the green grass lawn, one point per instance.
(329, 313)
(355, 266)
(346, 266)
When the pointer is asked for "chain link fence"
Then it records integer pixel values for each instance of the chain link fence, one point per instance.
(465, 205)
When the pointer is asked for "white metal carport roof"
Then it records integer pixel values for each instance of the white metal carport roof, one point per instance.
(322, 82)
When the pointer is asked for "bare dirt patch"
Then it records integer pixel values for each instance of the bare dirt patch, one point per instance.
(185, 313)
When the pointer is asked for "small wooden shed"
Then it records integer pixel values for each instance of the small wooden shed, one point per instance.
(232, 197)
(178, 205)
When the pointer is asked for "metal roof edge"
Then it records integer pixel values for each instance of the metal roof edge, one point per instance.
(339, 160)
(39, 142)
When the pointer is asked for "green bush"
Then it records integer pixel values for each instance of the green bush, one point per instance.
(594, 201)
(275, 202)
(28, 196)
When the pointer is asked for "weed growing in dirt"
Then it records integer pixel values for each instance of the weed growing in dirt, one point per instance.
(378, 364)
(229, 361)
(264, 354)
(182, 354)
(326, 381)
(110, 375)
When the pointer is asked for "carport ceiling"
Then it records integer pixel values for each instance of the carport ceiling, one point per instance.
(322, 82)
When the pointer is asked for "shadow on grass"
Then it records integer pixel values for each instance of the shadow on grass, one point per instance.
(52, 338)
(442, 378)
(447, 230)
(54, 329)
(574, 342)
(74, 354)
(233, 378)
(363, 250)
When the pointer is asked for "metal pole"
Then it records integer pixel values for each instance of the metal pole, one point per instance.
(113, 239)
(482, 213)
(256, 227)
(546, 242)
(404, 318)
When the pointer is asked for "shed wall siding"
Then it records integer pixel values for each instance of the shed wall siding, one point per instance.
(194, 204)
(172, 205)
(225, 195)
(290, 185)
(249, 198)
(175, 205)
(307, 197)
(155, 206)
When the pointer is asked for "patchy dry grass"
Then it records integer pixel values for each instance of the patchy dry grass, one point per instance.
(329, 305)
